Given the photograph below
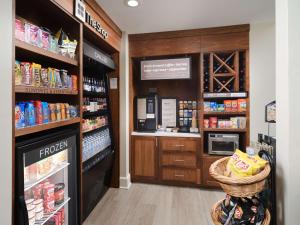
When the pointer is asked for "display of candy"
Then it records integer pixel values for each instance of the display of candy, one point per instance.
(239, 105)
(36, 112)
(231, 123)
(43, 38)
(32, 74)
(186, 111)
(243, 211)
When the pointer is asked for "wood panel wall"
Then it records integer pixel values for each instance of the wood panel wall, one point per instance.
(181, 43)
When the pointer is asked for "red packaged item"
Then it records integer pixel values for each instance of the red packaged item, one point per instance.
(59, 193)
(213, 121)
(37, 191)
(19, 30)
(49, 203)
(58, 214)
(26, 72)
(38, 112)
(227, 104)
(234, 105)
(62, 211)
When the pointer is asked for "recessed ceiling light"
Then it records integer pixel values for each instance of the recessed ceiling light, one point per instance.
(132, 3)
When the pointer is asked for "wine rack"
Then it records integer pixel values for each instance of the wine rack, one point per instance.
(224, 71)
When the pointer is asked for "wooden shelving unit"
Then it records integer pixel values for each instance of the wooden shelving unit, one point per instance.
(32, 50)
(43, 90)
(225, 113)
(224, 130)
(43, 127)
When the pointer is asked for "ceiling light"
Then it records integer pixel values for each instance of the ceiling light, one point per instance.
(132, 3)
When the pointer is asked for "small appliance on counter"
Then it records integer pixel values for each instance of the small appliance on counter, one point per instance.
(222, 144)
(146, 113)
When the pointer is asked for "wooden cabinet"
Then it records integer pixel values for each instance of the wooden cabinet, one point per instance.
(144, 157)
(182, 160)
(178, 144)
(178, 159)
(207, 179)
(183, 175)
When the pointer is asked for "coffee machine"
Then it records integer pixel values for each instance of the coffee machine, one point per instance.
(146, 113)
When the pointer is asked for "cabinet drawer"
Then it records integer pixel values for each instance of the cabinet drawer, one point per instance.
(178, 144)
(184, 160)
(185, 175)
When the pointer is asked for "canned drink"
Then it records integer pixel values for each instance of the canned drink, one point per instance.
(38, 112)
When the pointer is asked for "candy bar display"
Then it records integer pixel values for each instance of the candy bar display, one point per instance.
(37, 112)
(44, 38)
(32, 74)
(232, 123)
(94, 85)
(187, 110)
(94, 123)
(242, 211)
(94, 104)
(239, 105)
(95, 143)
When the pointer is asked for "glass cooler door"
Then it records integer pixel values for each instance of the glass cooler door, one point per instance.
(48, 182)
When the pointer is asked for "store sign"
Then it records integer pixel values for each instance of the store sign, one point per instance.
(47, 151)
(82, 14)
(166, 69)
(97, 55)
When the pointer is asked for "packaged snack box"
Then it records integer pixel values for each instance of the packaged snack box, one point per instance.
(227, 104)
(234, 105)
(242, 105)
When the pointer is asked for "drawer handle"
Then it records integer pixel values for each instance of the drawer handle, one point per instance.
(179, 145)
(179, 175)
(179, 160)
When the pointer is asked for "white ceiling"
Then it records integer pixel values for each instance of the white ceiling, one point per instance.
(166, 15)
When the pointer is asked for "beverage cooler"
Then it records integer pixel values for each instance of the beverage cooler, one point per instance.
(46, 179)
(97, 143)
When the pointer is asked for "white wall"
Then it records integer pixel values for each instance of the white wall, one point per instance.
(288, 110)
(6, 111)
(124, 113)
(262, 76)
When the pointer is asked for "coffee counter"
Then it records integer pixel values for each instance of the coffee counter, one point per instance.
(166, 134)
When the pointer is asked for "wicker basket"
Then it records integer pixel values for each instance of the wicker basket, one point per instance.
(216, 210)
(238, 187)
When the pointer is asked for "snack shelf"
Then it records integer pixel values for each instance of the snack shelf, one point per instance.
(222, 95)
(96, 113)
(43, 90)
(95, 128)
(224, 130)
(42, 127)
(98, 94)
(223, 113)
(44, 53)
(56, 170)
(50, 215)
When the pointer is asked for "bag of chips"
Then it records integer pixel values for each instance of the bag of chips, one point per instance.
(243, 165)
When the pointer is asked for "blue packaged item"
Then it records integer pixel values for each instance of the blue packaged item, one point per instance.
(29, 114)
(19, 115)
(221, 107)
(45, 111)
(213, 106)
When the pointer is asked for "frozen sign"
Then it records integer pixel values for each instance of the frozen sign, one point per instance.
(166, 69)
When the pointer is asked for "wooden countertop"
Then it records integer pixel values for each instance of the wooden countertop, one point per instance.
(166, 134)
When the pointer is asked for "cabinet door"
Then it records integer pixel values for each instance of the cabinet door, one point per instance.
(144, 157)
(207, 179)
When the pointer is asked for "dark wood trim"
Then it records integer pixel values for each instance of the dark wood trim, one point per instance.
(104, 16)
(190, 33)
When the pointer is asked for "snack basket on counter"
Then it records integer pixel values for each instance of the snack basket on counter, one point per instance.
(239, 187)
(215, 211)
(244, 179)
